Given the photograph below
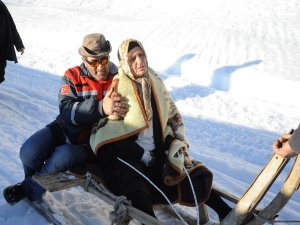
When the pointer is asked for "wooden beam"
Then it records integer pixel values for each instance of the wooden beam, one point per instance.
(224, 194)
(256, 191)
(290, 185)
(57, 182)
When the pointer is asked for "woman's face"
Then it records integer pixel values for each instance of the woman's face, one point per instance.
(137, 62)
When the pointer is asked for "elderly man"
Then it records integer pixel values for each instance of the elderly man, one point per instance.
(83, 100)
(288, 145)
(151, 139)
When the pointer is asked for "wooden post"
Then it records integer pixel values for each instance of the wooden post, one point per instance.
(204, 218)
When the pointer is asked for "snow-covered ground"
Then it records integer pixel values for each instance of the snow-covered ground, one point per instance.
(232, 67)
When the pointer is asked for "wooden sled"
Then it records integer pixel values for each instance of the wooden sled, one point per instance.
(56, 182)
(245, 205)
(257, 190)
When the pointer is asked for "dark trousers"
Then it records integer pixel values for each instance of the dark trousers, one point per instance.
(2, 69)
(46, 152)
(123, 180)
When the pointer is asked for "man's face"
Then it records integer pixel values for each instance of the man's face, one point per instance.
(98, 67)
(137, 62)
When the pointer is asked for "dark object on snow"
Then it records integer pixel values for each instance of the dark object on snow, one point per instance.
(14, 193)
(9, 37)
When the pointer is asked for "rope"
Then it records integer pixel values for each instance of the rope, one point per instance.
(100, 188)
(195, 197)
(163, 194)
(119, 215)
(88, 181)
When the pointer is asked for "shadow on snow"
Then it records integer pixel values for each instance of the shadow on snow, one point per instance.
(220, 81)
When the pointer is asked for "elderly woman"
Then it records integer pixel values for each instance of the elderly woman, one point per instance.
(151, 139)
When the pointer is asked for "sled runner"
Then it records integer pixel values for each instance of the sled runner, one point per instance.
(244, 212)
(42, 207)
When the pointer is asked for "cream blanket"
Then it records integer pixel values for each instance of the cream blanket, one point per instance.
(135, 121)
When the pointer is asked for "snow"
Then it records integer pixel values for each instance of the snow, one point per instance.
(231, 66)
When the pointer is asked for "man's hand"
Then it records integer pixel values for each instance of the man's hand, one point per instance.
(115, 104)
(282, 147)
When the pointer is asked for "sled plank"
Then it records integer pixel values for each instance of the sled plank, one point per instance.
(56, 182)
(256, 190)
(289, 187)
(224, 194)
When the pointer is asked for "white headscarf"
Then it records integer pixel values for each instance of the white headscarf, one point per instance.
(143, 84)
